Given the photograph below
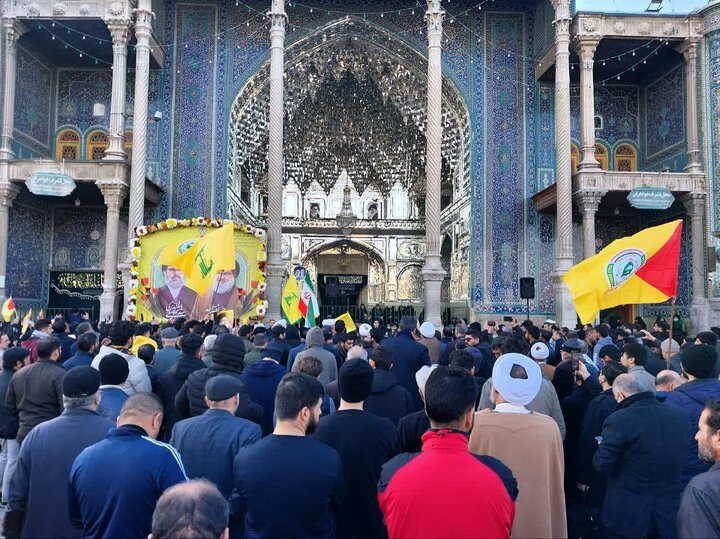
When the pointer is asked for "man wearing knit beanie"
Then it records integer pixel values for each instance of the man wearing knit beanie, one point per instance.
(698, 363)
(365, 442)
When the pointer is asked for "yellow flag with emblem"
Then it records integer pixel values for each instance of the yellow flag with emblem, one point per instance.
(349, 323)
(291, 301)
(208, 256)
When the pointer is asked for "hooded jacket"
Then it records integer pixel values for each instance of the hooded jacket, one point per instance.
(168, 386)
(314, 346)
(388, 398)
(228, 355)
(263, 379)
(691, 398)
(138, 380)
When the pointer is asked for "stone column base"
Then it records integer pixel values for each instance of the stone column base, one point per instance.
(275, 274)
(700, 316)
(565, 314)
(433, 275)
(107, 304)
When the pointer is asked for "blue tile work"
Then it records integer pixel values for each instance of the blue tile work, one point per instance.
(665, 116)
(711, 55)
(619, 106)
(33, 102)
(506, 227)
(78, 238)
(78, 90)
(545, 136)
(194, 109)
(28, 254)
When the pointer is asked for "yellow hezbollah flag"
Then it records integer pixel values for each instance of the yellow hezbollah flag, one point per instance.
(291, 301)
(8, 309)
(349, 324)
(638, 269)
(208, 256)
(26, 322)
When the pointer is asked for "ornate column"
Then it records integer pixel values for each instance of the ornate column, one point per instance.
(433, 272)
(114, 194)
(13, 31)
(119, 29)
(689, 51)
(564, 308)
(275, 266)
(585, 49)
(8, 192)
(589, 202)
(695, 206)
(143, 29)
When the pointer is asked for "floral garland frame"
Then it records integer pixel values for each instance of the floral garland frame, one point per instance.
(140, 290)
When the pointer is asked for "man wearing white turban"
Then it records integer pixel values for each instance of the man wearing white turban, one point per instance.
(528, 443)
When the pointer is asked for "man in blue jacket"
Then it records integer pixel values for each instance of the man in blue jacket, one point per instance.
(38, 487)
(408, 356)
(262, 379)
(698, 363)
(218, 433)
(115, 484)
(641, 456)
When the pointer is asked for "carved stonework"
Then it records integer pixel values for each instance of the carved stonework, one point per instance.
(411, 249)
(590, 25)
(33, 10)
(619, 27)
(85, 10)
(669, 29)
(59, 9)
(644, 28)
(117, 9)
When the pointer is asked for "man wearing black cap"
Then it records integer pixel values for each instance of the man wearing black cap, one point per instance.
(35, 393)
(698, 363)
(365, 442)
(114, 371)
(218, 433)
(39, 486)
(12, 361)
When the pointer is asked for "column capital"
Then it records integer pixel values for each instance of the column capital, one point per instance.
(8, 193)
(143, 22)
(585, 48)
(14, 29)
(120, 32)
(434, 16)
(589, 201)
(113, 192)
(688, 48)
(277, 16)
(562, 11)
(694, 204)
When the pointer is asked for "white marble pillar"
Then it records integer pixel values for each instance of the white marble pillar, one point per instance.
(689, 51)
(564, 308)
(8, 192)
(12, 31)
(119, 30)
(695, 206)
(433, 272)
(275, 266)
(114, 194)
(585, 49)
(589, 203)
(143, 30)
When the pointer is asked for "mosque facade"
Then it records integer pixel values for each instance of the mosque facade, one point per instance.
(466, 144)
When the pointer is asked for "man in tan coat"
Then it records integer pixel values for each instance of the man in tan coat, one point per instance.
(528, 443)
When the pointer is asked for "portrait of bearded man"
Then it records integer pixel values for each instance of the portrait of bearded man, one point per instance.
(174, 299)
(222, 295)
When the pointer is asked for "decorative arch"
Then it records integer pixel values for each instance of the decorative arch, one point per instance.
(366, 61)
(626, 157)
(409, 287)
(602, 155)
(96, 143)
(574, 157)
(67, 144)
(359, 245)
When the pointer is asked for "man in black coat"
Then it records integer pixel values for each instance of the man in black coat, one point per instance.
(218, 433)
(641, 456)
(39, 486)
(228, 356)
(408, 356)
(171, 381)
(387, 398)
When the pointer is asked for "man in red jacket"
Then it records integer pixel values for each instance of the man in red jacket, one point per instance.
(417, 492)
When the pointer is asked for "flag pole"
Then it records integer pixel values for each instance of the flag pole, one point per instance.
(672, 317)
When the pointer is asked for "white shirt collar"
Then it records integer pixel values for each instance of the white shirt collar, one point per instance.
(507, 408)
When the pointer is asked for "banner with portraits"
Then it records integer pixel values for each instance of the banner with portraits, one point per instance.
(162, 291)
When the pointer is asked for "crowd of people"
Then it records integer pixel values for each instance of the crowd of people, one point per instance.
(195, 429)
